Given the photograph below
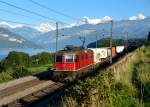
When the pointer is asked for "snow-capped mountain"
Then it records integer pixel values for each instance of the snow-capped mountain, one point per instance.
(70, 34)
(7, 25)
(87, 20)
(138, 17)
(45, 27)
(27, 32)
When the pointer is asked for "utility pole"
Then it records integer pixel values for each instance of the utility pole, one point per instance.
(111, 28)
(96, 40)
(82, 40)
(56, 36)
(126, 41)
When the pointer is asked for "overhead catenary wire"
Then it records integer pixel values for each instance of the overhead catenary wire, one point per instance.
(60, 13)
(31, 12)
(16, 22)
(57, 12)
(14, 13)
(40, 15)
(53, 10)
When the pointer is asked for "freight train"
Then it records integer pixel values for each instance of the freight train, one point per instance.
(75, 62)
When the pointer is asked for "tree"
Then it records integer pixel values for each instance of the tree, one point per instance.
(16, 59)
(20, 72)
(42, 58)
(1, 66)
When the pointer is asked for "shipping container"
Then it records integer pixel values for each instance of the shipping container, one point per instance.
(120, 49)
(113, 50)
(100, 53)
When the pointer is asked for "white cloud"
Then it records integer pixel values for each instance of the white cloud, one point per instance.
(139, 17)
(7, 25)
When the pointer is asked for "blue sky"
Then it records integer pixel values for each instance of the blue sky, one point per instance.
(116, 9)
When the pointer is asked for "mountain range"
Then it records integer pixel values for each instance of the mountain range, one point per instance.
(10, 40)
(27, 37)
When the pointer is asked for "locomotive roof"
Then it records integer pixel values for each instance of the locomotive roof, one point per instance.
(73, 51)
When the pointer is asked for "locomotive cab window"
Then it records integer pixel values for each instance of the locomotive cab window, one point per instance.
(58, 58)
(77, 59)
(69, 58)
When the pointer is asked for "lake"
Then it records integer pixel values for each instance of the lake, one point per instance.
(2, 56)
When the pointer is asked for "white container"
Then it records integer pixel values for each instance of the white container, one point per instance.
(100, 53)
(120, 49)
(103, 53)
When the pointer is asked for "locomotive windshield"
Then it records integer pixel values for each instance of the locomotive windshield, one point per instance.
(58, 58)
(69, 58)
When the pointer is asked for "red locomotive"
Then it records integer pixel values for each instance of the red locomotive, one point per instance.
(73, 59)
(79, 61)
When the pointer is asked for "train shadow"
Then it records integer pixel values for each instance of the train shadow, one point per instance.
(46, 75)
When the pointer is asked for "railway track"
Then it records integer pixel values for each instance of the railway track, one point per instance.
(22, 93)
(36, 96)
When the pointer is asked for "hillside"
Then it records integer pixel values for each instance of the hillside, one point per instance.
(27, 33)
(105, 42)
(124, 84)
(10, 40)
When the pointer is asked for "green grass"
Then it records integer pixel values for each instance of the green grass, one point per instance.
(11, 74)
(40, 68)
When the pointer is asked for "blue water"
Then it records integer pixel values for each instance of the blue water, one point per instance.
(2, 57)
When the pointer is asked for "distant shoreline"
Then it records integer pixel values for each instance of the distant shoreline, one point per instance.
(2, 57)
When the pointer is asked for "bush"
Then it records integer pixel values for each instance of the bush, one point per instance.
(16, 59)
(141, 75)
(122, 96)
(41, 59)
(1, 67)
(6, 76)
(20, 72)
